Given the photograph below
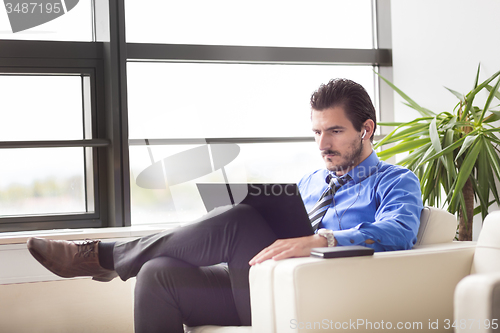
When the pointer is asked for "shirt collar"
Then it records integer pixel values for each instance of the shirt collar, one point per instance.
(364, 169)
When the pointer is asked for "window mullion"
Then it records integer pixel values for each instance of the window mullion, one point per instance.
(55, 143)
(256, 54)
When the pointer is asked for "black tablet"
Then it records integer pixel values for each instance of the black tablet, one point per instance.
(341, 251)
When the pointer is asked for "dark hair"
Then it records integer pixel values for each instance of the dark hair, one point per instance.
(351, 96)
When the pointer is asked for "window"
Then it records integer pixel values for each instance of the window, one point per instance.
(289, 23)
(233, 73)
(200, 100)
(49, 137)
(44, 180)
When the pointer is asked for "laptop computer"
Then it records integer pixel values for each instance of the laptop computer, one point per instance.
(279, 204)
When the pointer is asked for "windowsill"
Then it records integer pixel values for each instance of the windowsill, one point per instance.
(21, 237)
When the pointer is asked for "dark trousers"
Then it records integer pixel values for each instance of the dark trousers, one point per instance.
(180, 278)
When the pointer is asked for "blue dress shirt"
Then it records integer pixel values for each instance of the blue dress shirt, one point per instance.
(381, 202)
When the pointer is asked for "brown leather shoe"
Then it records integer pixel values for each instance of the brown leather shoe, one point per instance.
(70, 259)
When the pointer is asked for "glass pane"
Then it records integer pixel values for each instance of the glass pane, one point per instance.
(36, 107)
(313, 23)
(158, 200)
(194, 100)
(42, 181)
(67, 20)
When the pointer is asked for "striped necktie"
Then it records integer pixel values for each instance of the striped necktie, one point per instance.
(319, 210)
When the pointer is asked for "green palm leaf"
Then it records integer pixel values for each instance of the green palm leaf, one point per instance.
(488, 101)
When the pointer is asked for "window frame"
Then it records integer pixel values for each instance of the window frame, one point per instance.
(62, 58)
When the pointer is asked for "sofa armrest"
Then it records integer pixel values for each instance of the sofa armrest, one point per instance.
(262, 297)
(413, 287)
(477, 304)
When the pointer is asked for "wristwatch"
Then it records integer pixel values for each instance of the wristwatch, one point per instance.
(328, 234)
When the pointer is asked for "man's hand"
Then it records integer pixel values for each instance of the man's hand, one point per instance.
(289, 248)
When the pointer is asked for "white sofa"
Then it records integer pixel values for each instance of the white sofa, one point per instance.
(409, 290)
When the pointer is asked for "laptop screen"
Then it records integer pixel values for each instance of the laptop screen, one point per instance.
(279, 204)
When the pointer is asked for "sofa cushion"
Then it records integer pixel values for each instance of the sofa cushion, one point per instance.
(436, 226)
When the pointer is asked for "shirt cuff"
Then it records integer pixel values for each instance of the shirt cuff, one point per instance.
(349, 237)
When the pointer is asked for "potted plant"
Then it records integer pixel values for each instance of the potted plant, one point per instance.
(454, 153)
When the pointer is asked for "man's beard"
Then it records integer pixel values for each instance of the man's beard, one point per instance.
(349, 159)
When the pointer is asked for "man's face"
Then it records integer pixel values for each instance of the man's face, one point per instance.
(340, 144)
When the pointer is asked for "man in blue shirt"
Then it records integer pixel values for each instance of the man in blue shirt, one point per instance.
(379, 205)
(357, 199)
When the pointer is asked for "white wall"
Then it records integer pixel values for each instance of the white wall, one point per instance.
(440, 43)
(67, 306)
